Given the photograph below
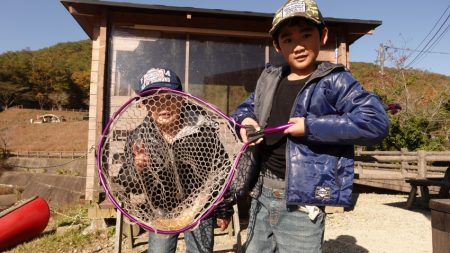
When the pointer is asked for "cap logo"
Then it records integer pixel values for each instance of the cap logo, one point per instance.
(294, 7)
(155, 76)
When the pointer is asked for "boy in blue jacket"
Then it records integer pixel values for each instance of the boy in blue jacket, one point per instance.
(310, 165)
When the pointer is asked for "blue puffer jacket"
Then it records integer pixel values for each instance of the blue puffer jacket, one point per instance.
(339, 114)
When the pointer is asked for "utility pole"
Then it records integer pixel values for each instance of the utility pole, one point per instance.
(381, 58)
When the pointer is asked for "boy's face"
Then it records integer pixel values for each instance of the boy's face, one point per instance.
(165, 110)
(300, 45)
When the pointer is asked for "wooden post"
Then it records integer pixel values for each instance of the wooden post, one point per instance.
(119, 231)
(440, 215)
(421, 164)
(404, 163)
(237, 229)
(358, 164)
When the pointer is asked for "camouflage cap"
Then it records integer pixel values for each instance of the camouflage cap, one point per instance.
(297, 8)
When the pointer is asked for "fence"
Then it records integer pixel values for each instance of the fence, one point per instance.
(384, 169)
(389, 169)
(49, 154)
(52, 109)
(368, 164)
(400, 164)
(68, 110)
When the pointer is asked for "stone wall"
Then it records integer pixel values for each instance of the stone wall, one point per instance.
(58, 181)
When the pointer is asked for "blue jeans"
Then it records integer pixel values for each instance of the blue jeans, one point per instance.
(199, 240)
(276, 227)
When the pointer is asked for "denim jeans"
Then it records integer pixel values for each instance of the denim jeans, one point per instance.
(276, 227)
(199, 240)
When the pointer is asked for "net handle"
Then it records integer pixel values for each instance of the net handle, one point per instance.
(103, 137)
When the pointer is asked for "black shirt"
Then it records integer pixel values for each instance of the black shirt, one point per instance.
(274, 145)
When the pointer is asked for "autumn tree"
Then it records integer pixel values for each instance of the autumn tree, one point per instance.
(13, 77)
(423, 121)
(59, 99)
(63, 68)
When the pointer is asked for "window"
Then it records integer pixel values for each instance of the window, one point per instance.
(221, 70)
(133, 52)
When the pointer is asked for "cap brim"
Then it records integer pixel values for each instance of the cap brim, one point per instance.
(172, 86)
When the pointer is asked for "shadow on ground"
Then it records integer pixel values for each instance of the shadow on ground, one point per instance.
(343, 244)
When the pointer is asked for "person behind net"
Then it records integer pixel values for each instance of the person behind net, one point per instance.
(169, 122)
(310, 165)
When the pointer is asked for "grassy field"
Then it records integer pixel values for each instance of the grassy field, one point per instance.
(64, 233)
(18, 134)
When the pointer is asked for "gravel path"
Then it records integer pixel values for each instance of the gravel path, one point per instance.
(379, 223)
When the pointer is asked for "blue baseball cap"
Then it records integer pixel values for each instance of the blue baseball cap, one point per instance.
(159, 78)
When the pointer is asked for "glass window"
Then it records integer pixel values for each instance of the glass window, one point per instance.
(133, 52)
(224, 70)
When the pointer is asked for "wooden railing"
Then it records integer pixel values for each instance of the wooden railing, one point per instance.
(399, 165)
(49, 154)
(368, 164)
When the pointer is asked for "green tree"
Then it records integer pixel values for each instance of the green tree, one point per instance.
(14, 84)
(59, 99)
(8, 94)
(41, 99)
(63, 68)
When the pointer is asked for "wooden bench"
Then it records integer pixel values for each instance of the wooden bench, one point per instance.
(423, 184)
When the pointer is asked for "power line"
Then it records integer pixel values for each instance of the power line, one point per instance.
(427, 47)
(437, 22)
(415, 50)
(434, 43)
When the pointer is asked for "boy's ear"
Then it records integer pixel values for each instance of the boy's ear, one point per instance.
(275, 45)
(324, 36)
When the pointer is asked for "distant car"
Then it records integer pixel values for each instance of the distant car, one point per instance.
(48, 118)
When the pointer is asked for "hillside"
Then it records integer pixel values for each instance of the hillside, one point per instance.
(420, 83)
(18, 134)
(58, 77)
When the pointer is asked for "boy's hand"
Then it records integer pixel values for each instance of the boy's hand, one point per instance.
(298, 129)
(223, 223)
(243, 131)
(141, 159)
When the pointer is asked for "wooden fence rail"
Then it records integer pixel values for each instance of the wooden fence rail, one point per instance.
(399, 165)
(385, 169)
(49, 154)
(369, 164)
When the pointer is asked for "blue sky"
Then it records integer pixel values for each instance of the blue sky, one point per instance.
(36, 24)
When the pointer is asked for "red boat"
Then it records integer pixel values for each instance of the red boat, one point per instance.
(23, 222)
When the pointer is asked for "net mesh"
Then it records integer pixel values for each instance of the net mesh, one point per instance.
(167, 159)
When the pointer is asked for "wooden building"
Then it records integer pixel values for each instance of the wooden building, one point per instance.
(218, 54)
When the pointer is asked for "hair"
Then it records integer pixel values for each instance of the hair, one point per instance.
(296, 21)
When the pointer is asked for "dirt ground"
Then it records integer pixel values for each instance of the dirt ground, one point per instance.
(379, 223)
